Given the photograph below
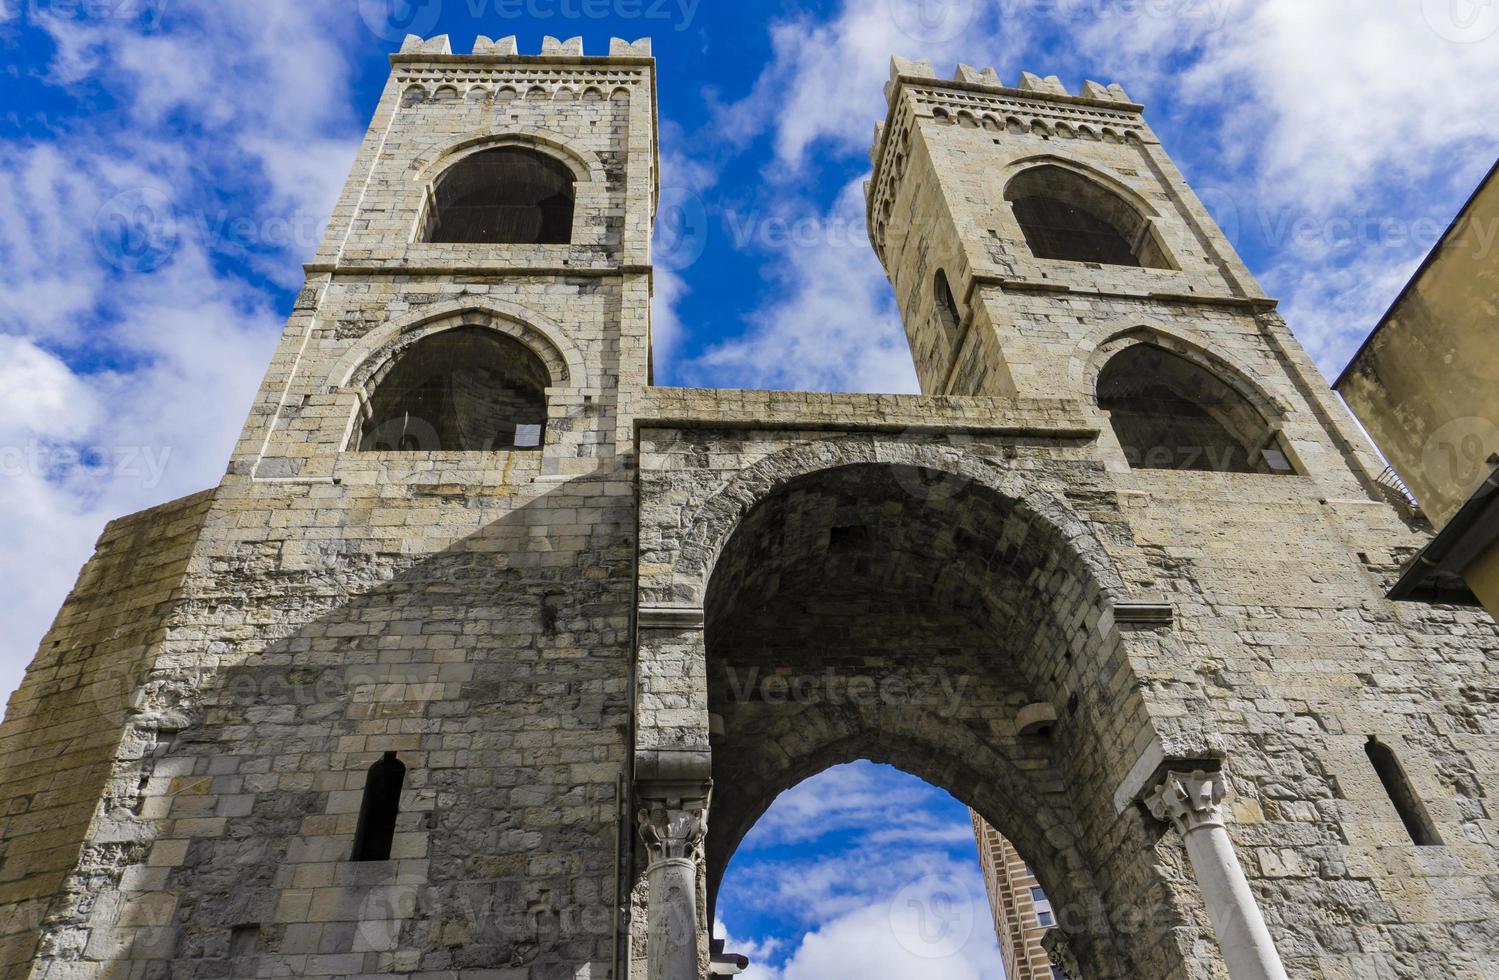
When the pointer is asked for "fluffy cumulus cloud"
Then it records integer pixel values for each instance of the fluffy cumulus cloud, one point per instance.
(1332, 139)
(860, 871)
(830, 323)
(142, 251)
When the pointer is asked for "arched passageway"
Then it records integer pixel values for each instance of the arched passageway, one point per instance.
(910, 617)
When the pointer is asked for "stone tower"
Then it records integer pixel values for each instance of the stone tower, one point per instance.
(424, 545)
(485, 654)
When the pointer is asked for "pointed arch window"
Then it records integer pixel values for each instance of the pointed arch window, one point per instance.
(469, 389)
(1169, 413)
(507, 195)
(1067, 217)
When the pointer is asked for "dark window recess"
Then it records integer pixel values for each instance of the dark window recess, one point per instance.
(1412, 811)
(1067, 217)
(947, 308)
(1170, 414)
(377, 812)
(1055, 229)
(503, 196)
(243, 941)
(464, 390)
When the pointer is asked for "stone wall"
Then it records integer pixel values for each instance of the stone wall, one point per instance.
(82, 706)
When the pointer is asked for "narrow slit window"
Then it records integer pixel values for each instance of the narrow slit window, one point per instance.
(376, 830)
(947, 308)
(1398, 787)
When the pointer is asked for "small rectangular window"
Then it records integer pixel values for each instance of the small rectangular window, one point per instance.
(1045, 918)
(1038, 895)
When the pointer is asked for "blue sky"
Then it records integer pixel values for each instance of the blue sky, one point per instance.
(169, 164)
(863, 871)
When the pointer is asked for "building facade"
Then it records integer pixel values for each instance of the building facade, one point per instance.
(1022, 912)
(476, 661)
(1425, 384)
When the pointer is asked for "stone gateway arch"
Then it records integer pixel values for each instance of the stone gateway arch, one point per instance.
(486, 652)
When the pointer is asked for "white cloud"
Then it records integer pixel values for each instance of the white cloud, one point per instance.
(861, 797)
(1305, 111)
(934, 927)
(128, 360)
(832, 324)
(827, 79)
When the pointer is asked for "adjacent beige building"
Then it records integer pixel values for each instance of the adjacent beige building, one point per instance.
(1425, 384)
(1022, 912)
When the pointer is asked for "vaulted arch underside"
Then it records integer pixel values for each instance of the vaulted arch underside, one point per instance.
(906, 616)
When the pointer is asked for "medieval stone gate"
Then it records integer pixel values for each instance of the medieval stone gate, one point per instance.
(486, 652)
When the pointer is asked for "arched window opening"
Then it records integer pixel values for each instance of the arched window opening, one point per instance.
(1170, 414)
(376, 830)
(1067, 217)
(504, 196)
(947, 308)
(464, 390)
(1397, 786)
(928, 900)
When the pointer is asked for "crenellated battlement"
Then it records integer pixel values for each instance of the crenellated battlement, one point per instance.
(508, 47)
(979, 99)
(903, 69)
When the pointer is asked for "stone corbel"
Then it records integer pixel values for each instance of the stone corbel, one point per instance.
(1192, 801)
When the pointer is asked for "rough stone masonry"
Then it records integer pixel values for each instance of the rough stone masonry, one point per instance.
(1176, 688)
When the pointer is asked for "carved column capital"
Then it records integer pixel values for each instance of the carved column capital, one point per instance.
(1191, 801)
(673, 829)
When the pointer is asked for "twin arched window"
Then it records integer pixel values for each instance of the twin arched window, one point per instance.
(1171, 414)
(468, 389)
(507, 195)
(1068, 217)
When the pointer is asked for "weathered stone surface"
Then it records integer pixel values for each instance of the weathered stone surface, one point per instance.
(902, 578)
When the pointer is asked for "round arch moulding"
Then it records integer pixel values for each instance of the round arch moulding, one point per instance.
(543, 338)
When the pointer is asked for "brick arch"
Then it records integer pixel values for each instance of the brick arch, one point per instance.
(545, 339)
(716, 518)
(585, 165)
(1109, 181)
(896, 562)
(1095, 349)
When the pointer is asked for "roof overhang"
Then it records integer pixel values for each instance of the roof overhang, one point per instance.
(1435, 575)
